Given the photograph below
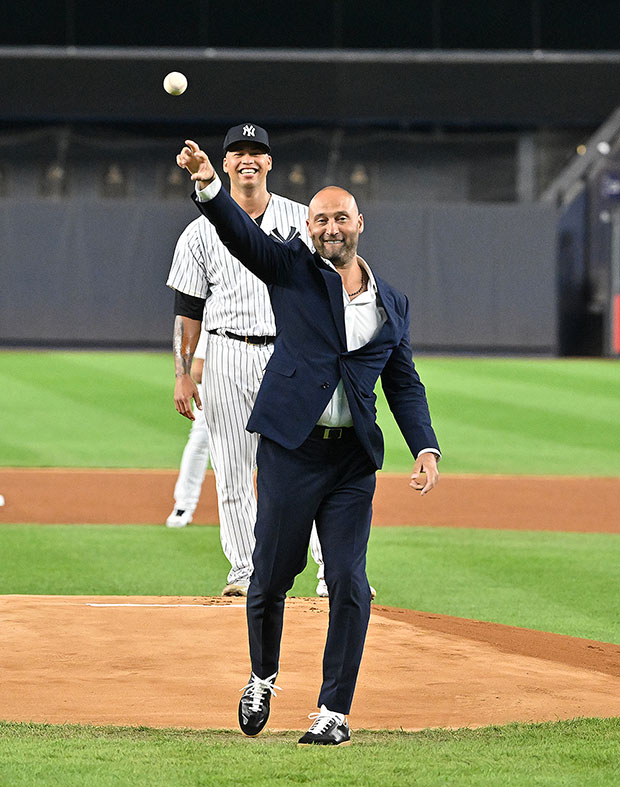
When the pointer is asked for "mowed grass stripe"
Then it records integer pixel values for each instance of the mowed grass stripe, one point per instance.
(564, 583)
(496, 415)
(492, 415)
(100, 409)
(579, 752)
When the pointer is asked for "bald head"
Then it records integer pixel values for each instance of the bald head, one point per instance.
(334, 224)
(331, 196)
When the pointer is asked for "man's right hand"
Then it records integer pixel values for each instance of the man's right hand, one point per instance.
(197, 163)
(185, 390)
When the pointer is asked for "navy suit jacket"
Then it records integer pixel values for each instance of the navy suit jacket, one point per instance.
(310, 353)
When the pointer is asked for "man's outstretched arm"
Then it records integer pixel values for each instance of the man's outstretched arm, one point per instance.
(265, 257)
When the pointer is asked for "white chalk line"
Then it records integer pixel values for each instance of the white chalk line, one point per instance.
(212, 606)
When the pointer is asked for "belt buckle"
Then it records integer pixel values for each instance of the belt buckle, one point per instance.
(327, 435)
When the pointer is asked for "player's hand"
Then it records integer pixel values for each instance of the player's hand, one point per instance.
(197, 163)
(425, 475)
(185, 391)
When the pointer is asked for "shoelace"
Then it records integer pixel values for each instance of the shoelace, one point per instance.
(322, 721)
(257, 688)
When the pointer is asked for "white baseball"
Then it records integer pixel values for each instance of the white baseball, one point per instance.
(175, 83)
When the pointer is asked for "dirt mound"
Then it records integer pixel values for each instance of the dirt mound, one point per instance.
(180, 662)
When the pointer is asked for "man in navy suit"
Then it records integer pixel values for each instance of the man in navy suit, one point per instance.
(339, 328)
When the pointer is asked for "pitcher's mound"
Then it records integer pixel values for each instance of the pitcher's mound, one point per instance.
(180, 662)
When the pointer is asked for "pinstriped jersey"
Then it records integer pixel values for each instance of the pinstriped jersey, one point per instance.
(201, 348)
(235, 299)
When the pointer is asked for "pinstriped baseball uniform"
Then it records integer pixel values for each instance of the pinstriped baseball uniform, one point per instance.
(236, 301)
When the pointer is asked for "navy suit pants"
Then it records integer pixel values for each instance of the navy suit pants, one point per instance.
(331, 482)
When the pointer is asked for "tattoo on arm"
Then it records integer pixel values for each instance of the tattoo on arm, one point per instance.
(181, 349)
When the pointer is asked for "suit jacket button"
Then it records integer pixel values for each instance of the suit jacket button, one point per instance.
(325, 385)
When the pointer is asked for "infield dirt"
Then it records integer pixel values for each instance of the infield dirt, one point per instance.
(145, 496)
(180, 662)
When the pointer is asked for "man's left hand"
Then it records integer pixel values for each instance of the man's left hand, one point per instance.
(426, 463)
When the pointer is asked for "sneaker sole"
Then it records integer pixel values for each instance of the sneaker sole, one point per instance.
(324, 745)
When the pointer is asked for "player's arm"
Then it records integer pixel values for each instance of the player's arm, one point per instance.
(186, 332)
(269, 260)
(406, 398)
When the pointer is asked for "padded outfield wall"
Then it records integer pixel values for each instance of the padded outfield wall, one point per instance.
(92, 272)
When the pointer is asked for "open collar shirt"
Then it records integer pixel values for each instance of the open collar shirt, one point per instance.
(363, 319)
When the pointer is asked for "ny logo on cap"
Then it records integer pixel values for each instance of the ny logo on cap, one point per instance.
(249, 131)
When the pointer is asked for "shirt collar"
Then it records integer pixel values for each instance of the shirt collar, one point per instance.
(372, 284)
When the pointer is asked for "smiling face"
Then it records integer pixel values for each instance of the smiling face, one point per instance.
(247, 164)
(334, 225)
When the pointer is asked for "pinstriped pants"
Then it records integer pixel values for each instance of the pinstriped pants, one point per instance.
(232, 375)
(193, 465)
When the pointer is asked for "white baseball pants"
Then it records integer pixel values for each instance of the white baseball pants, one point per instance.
(193, 465)
(232, 375)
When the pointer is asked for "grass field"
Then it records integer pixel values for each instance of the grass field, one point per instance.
(492, 415)
(566, 583)
(582, 753)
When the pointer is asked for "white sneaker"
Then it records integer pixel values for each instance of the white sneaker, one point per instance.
(328, 729)
(323, 592)
(179, 518)
(321, 589)
(238, 588)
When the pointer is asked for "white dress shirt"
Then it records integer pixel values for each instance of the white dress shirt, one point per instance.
(363, 320)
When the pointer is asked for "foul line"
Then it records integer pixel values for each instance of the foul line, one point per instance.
(213, 606)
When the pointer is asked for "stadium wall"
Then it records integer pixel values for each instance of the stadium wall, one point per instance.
(92, 272)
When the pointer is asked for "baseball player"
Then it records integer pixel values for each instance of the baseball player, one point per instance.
(212, 286)
(195, 454)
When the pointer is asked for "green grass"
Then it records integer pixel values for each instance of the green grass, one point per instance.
(581, 752)
(492, 415)
(89, 409)
(560, 582)
(499, 415)
(112, 560)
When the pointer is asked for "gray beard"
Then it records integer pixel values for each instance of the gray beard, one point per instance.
(343, 259)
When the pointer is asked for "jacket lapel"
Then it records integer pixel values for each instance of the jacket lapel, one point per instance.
(333, 283)
(386, 300)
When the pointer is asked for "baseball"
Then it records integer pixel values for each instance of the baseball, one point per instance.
(175, 83)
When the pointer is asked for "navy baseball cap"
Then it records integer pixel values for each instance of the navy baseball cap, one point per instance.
(247, 132)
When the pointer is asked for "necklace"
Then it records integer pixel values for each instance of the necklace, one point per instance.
(357, 292)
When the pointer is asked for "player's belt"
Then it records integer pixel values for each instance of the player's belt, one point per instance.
(331, 432)
(246, 339)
